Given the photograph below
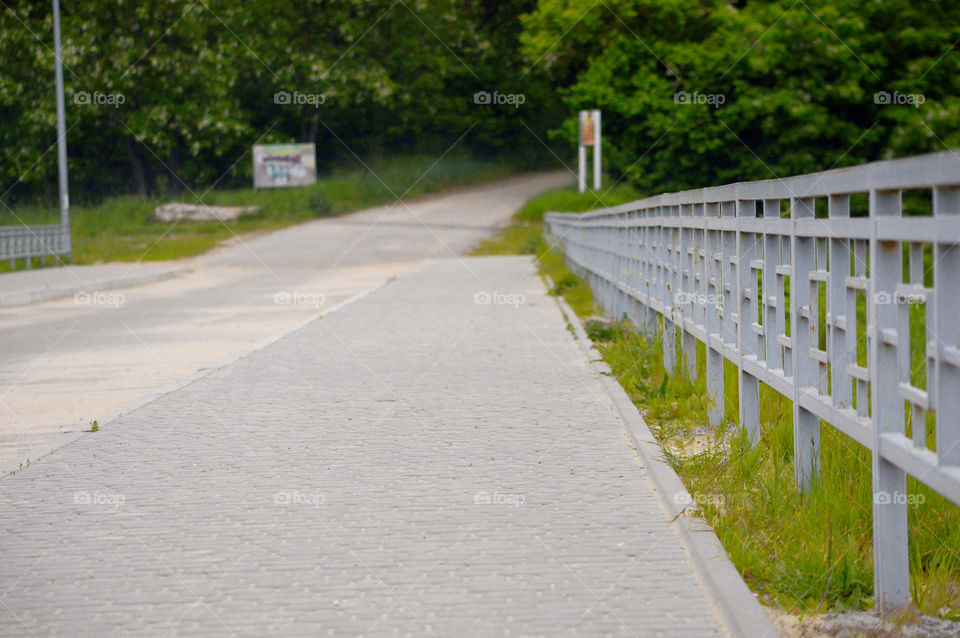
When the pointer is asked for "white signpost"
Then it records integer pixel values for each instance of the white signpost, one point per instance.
(284, 165)
(589, 135)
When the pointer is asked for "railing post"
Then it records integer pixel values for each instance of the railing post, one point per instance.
(633, 277)
(688, 260)
(747, 341)
(731, 281)
(838, 319)
(617, 243)
(650, 274)
(946, 334)
(699, 265)
(730, 284)
(626, 268)
(665, 251)
(714, 361)
(771, 259)
(891, 561)
(806, 424)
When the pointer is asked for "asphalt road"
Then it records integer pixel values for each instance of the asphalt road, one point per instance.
(64, 364)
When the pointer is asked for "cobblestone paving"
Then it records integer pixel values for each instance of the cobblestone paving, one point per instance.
(433, 459)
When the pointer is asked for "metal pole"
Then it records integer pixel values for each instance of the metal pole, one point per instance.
(61, 132)
(596, 151)
(582, 155)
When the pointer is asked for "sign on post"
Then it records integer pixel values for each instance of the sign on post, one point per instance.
(284, 165)
(589, 136)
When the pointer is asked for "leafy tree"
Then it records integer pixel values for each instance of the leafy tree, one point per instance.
(193, 85)
(786, 87)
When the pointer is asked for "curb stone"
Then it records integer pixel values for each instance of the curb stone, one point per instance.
(736, 605)
(49, 293)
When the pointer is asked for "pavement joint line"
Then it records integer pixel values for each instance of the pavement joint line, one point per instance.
(741, 613)
(14, 465)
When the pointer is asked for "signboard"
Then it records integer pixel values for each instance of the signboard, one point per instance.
(284, 165)
(586, 131)
(589, 136)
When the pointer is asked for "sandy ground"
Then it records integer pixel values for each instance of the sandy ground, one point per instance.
(861, 624)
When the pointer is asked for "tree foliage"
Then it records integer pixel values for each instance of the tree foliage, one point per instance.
(694, 92)
(200, 81)
(704, 92)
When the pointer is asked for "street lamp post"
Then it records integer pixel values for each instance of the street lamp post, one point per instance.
(61, 134)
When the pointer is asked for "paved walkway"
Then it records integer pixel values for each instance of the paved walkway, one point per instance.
(435, 458)
(67, 362)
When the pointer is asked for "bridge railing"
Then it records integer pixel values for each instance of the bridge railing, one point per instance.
(39, 240)
(824, 288)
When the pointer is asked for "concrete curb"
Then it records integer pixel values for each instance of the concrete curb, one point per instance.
(23, 461)
(49, 293)
(736, 605)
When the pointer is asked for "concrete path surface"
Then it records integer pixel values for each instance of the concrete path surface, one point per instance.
(68, 362)
(436, 458)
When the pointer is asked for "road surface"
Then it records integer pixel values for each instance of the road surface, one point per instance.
(434, 459)
(65, 363)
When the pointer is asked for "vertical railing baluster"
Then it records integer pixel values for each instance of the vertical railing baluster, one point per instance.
(806, 424)
(649, 314)
(946, 334)
(688, 342)
(891, 565)
(714, 361)
(841, 391)
(773, 351)
(747, 340)
(700, 261)
(666, 290)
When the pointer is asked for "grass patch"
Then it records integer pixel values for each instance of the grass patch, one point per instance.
(123, 228)
(569, 200)
(575, 291)
(519, 239)
(802, 552)
(525, 237)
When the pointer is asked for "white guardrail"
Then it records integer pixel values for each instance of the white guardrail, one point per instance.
(783, 277)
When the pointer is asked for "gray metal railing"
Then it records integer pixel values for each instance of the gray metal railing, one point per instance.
(783, 279)
(26, 242)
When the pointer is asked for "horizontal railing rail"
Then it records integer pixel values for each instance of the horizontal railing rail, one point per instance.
(824, 288)
(40, 240)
